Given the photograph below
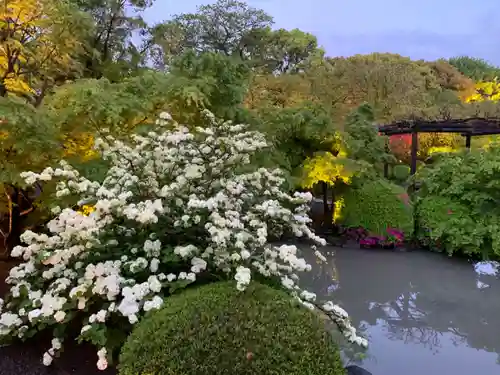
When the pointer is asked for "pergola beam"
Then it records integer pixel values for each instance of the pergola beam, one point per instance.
(457, 130)
(474, 126)
(468, 128)
(435, 130)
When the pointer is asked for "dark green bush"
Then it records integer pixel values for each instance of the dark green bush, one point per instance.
(376, 206)
(217, 330)
(401, 172)
(362, 140)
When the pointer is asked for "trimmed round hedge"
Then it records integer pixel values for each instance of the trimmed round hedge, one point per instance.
(216, 330)
(376, 206)
(401, 172)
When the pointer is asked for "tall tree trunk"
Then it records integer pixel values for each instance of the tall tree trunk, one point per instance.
(3, 90)
(20, 204)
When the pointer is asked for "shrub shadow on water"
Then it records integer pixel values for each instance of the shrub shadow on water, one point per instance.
(423, 313)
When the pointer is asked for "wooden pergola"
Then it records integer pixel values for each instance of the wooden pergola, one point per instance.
(468, 128)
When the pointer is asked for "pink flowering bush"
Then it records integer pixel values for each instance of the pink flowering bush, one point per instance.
(175, 204)
(392, 239)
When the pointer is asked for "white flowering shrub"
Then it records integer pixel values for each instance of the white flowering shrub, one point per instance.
(174, 206)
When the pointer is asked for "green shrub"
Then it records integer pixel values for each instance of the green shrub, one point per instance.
(468, 183)
(445, 225)
(376, 206)
(215, 329)
(401, 172)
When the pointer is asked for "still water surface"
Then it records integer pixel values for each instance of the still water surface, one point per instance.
(423, 313)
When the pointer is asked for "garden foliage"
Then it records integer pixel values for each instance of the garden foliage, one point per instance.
(175, 205)
(182, 204)
(445, 225)
(377, 206)
(401, 172)
(216, 329)
(459, 209)
(362, 140)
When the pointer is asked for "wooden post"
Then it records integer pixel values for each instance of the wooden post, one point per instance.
(324, 187)
(387, 150)
(467, 141)
(414, 151)
(327, 210)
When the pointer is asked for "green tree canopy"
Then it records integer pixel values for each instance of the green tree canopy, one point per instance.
(111, 50)
(219, 27)
(232, 28)
(475, 68)
(393, 85)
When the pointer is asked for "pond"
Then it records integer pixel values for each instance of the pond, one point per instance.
(423, 313)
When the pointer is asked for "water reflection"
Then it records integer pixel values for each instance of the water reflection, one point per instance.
(423, 313)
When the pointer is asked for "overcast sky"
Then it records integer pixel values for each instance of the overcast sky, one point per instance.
(426, 29)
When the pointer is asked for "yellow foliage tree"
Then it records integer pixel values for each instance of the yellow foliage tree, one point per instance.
(40, 46)
(325, 167)
(431, 143)
(328, 169)
(485, 90)
(80, 145)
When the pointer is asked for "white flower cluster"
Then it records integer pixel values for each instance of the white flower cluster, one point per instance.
(173, 204)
